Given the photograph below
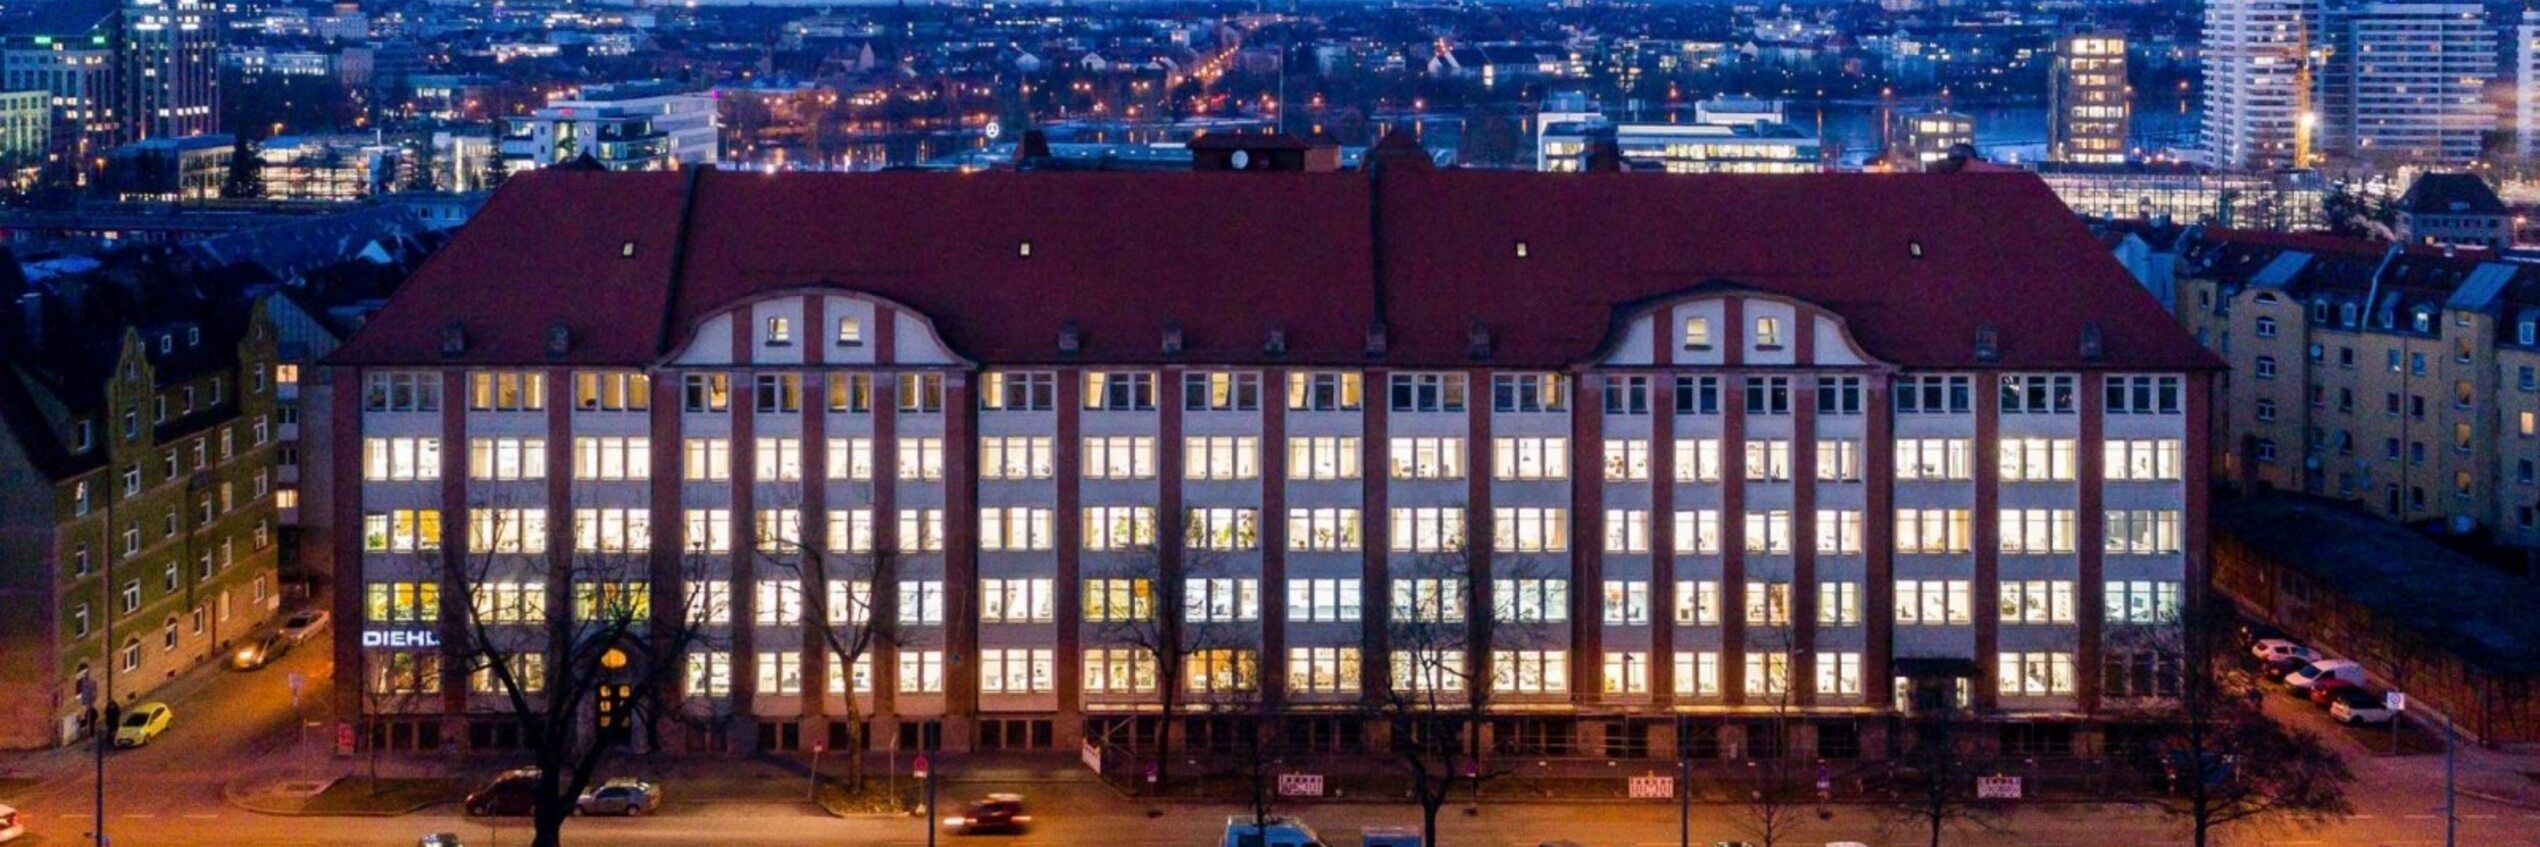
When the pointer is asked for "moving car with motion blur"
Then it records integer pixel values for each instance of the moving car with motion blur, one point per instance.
(259, 652)
(993, 813)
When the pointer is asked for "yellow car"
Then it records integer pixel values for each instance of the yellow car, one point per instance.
(141, 723)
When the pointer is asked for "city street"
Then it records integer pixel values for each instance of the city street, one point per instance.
(170, 793)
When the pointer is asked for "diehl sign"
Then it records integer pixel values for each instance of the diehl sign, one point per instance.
(401, 638)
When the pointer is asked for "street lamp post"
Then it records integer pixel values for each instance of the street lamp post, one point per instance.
(926, 774)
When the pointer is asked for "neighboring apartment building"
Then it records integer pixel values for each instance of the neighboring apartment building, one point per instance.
(2406, 81)
(1940, 445)
(2399, 377)
(2089, 105)
(2456, 209)
(138, 518)
(2256, 90)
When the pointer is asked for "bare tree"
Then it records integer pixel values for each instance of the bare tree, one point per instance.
(583, 662)
(2227, 763)
(843, 620)
(1440, 686)
(1174, 614)
(1936, 793)
(1776, 797)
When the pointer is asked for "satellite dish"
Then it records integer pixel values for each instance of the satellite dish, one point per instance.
(1242, 159)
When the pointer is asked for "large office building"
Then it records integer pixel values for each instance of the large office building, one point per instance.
(2257, 89)
(1727, 135)
(623, 127)
(2089, 105)
(171, 54)
(1710, 445)
(2407, 81)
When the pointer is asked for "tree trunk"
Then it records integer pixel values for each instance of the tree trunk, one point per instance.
(548, 824)
(1164, 736)
(1429, 817)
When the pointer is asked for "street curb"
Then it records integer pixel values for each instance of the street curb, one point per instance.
(2516, 802)
(230, 796)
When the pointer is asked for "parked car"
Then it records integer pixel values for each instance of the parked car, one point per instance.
(1276, 831)
(2324, 693)
(621, 796)
(2300, 681)
(2275, 670)
(303, 625)
(2359, 706)
(143, 722)
(11, 827)
(993, 813)
(512, 792)
(1389, 836)
(2253, 632)
(260, 652)
(2277, 649)
(440, 839)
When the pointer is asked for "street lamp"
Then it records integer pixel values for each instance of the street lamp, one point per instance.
(926, 774)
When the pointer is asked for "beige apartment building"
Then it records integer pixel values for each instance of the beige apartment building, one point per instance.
(2404, 378)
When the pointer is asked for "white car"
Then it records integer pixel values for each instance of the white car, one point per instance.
(2355, 706)
(10, 826)
(2274, 649)
(303, 625)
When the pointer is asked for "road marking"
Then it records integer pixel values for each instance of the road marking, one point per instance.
(2418, 817)
(2478, 817)
(201, 817)
(141, 814)
(2365, 817)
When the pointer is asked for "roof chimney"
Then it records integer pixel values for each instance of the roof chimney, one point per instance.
(1375, 339)
(559, 340)
(2091, 348)
(1033, 153)
(1276, 344)
(1604, 154)
(1398, 151)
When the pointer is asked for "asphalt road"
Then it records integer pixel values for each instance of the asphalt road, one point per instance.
(169, 794)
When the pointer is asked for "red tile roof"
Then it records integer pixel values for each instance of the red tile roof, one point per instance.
(1229, 257)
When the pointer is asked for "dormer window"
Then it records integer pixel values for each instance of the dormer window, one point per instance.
(1697, 333)
(2527, 333)
(1768, 333)
(193, 336)
(850, 332)
(167, 342)
(2424, 321)
(780, 331)
(2346, 314)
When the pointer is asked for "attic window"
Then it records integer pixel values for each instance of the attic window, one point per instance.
(1914, 249)
(850, 332)
(193, 336)
(167, 342)
(1023, 249)
(1521, 249)
(626, 250)
(780, 331)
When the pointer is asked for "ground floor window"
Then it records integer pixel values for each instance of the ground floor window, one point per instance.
(1016, 734)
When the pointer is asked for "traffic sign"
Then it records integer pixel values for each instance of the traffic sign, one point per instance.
(1997, 788)
(1653, 787)
(1300, 785)
(920, 765)
(2396, 701)
(343, 739)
